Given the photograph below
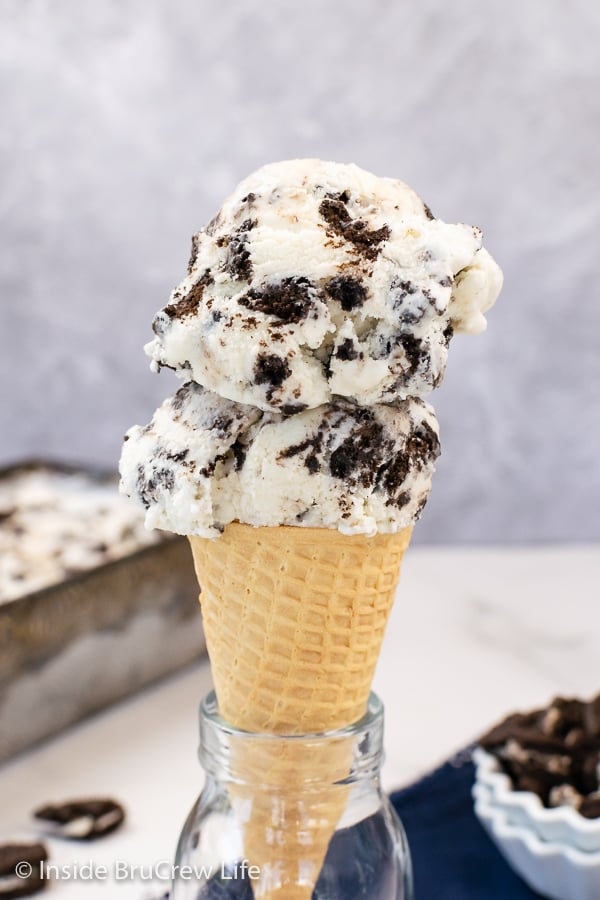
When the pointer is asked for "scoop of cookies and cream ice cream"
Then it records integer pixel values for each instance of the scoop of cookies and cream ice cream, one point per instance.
(315, 316)
(319, 280)
(205, 461)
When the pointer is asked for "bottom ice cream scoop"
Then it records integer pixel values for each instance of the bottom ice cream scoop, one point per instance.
(205, 461)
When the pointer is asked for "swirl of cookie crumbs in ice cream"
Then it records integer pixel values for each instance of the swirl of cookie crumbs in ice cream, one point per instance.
(205, 461)
(318, 280)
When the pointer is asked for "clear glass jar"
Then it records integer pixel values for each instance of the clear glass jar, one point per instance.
(292, 818)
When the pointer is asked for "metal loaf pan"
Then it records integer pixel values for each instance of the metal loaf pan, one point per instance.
(73, 648)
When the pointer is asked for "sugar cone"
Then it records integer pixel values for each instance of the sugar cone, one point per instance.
(294, 619)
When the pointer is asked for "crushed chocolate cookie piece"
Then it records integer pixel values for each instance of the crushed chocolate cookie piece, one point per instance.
(160, 324)
(422, 447)
(314, 443)
(292, 409)
(531, 738)
(562, 715)
(295, 449)
(358, 458)
(188, 305)
(399, 501)
(355, 231)
(432, 300)
(289, 300)
(413, 350)
(221, 424)
(342, 196)
(21, 872)
(590, 806)
(564, 795)
(312, 464)
(346, 351)
(575, 738)
(149, 488)
(179, 456)
(238, 262)
(194, 253)
(412, 302)
(162, 365)
(82, 820)
(311, 461)
(423, 444)
(550, 752)
(540, 783)
(239, 451)
(271, 369)
(165, 479)
(349, 292)
(409, 313)
(591, 717)
(428, 212)
(504, 730)
(181, 396)
(393, 474)
(209, 469)
(586, 776)
(421, 506)
(404, 287)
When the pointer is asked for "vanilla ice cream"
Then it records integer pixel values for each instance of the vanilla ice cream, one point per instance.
(56, 524)
(318, 280)
(315, 316)
(205, 461)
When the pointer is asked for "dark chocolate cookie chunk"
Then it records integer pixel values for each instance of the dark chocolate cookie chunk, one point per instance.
(239, 262)
(366, 241)
(81, 820)
(348, 291)
(289, 300)
(553, 752)
(590, 806)
(21, 872)
(272, 370)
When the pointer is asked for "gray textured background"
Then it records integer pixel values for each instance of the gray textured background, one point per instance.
(124, 123)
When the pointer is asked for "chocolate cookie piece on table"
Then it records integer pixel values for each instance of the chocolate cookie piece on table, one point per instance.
(81, 820)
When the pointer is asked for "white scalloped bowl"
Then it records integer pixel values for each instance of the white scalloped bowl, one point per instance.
(555, 871)
(561, 825)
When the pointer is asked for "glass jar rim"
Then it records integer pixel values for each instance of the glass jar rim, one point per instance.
(209, 714)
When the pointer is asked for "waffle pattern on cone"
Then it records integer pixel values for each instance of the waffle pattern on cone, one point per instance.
(294, 619)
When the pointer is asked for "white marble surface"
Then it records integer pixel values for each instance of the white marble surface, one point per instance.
(474, 634)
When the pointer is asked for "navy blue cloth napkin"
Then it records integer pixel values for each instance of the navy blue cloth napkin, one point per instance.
(453, 858)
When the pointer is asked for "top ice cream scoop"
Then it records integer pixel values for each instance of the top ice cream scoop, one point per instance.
(318, 280)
